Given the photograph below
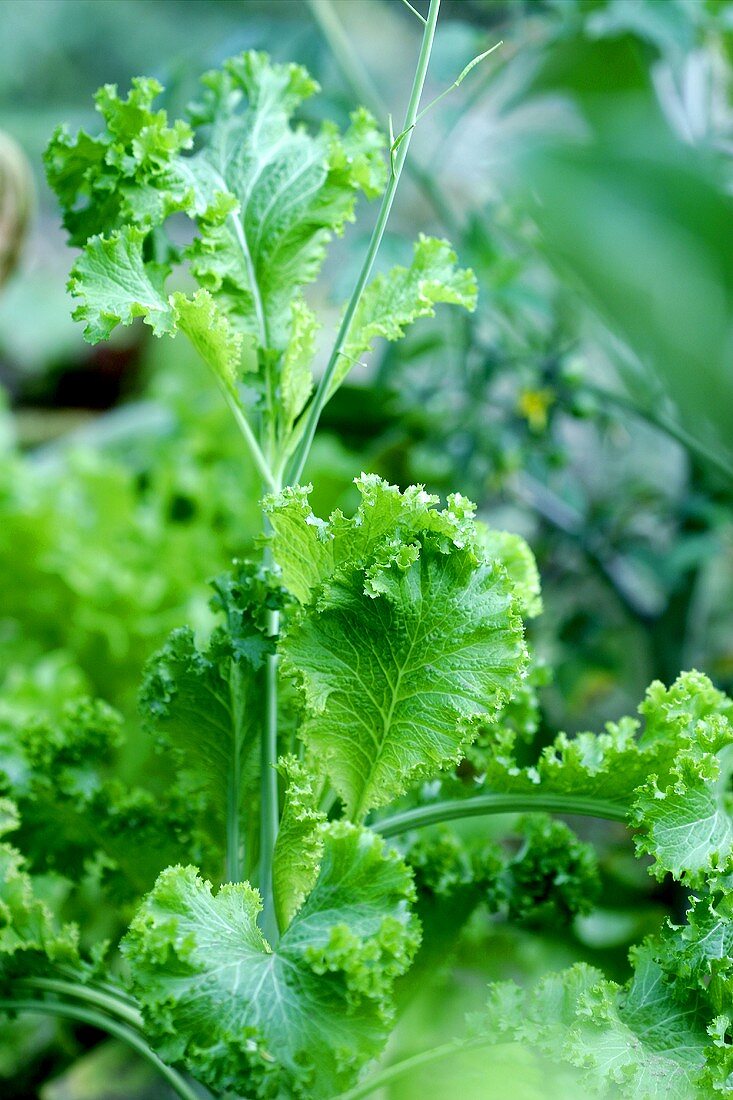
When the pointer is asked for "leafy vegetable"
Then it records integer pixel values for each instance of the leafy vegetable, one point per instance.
(300, 1017)
(367, 678)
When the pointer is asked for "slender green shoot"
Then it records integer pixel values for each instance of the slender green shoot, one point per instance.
(106, 1001)
(313, 415)
(485, 804)
(414, 11)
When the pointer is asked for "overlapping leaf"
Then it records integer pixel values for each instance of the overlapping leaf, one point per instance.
(298, 1019)
(28, 931)
(409, 636)
(647, 1040)
(394, 300)
(266, 196)
(206, 704)
(293, 190)
(299, 845)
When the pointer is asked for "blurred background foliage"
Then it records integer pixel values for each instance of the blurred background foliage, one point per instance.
(584, 172)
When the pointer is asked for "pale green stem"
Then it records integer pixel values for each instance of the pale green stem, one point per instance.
(365, 91)
(252, 445)
(234, 860)
(322, 394)
(485, 804)
(269, 809)
(417, 1061)
(106, 1001)
(112, 1027)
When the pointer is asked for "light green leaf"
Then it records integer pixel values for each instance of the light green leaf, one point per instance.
(218, 344)
(27, 926)
(309, 550)
(296, 378)
(115, 286)
(395, 682)
(131, 174)
(519, 561)
(702, 949)
(612, 765)
(399, 297)
(648, 1040)
(293, 191)
(299, 844)
(687, 815)
(297, 1020)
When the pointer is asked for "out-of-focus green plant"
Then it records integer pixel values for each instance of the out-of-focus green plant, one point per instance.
(525, 422)
(16, 201)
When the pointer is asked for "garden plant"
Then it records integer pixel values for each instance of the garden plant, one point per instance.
(369, 684)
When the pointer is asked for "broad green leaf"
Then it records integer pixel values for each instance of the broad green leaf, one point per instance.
(395, 682)
(648, 1040)
(295, 1020)
(299, 844)
(399, 297)
(293, 190)
(114, 286)
(687, 815)
(309, 550)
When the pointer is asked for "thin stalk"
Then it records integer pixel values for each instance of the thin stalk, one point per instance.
(112, 1027)
(252, 445)
(312, 416)
(106, 1001)
(233, 830)
(356, 77)
(96, 983)
(269, 809)
(426, 1057)
(498, 804)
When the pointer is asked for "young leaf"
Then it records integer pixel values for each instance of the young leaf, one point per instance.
(130, 175)
(293, 190)
(296, 379)
(115, 286)
(299, 844)
(218, 344)
(298, 1019)
(396, 299)
(309, 550)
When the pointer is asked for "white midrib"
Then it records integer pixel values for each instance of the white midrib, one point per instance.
(238, 226)
(359, 811)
